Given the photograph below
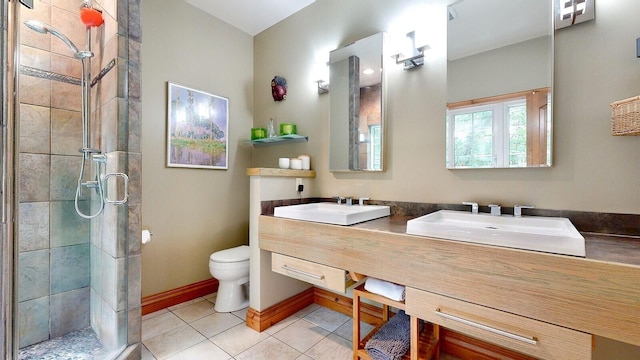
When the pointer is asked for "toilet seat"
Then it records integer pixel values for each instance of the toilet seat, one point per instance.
(236, 254)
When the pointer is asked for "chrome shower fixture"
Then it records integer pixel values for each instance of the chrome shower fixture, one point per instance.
(43, 28)
(94, 156)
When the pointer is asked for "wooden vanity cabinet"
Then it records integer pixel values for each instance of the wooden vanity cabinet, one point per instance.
(562, 301)
(531, 337)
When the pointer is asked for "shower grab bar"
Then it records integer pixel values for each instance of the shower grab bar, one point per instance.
(126, 189)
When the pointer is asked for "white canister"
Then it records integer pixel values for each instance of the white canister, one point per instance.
(283, 163)
(295, 164)
(306, 162)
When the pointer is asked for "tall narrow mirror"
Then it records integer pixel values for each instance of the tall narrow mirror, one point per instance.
(499, 79)
(356, 116)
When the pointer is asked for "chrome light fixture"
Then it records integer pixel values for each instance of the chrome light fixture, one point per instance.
(323, 86)
(571, 12)
(322, 73)
(414, 56)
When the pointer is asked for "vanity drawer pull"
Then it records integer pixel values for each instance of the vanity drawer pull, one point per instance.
(529, 340)
(304, 273)
(308, 271)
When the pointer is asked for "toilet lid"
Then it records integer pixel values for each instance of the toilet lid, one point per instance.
(236, 254)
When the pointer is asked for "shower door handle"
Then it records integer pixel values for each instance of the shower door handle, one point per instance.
(125, 178)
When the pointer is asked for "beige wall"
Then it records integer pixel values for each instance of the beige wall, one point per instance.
(191, 212)
(595, 65)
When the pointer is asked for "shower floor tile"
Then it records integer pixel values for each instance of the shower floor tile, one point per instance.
(77, 345)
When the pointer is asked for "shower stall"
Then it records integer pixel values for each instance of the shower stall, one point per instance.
(70, 179)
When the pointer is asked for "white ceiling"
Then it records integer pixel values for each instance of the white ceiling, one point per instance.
(480, 25)
(251, 16)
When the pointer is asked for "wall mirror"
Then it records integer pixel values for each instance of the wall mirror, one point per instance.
(356, 97)
(499, 80)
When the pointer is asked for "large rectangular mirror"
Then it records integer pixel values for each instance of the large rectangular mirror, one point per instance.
(356, 115)
(499, 79)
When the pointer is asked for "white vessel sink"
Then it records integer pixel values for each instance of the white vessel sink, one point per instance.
(538, 233)
(331, 213)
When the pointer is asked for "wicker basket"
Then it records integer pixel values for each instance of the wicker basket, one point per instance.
(625, 117)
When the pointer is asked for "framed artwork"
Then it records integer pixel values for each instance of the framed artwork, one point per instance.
(197, 129)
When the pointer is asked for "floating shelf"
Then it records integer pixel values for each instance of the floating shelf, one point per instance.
(278, 140)
(281, 172)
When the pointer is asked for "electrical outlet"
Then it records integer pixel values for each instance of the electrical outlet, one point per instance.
(299, 186)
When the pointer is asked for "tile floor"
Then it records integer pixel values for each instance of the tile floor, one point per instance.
(193, 330)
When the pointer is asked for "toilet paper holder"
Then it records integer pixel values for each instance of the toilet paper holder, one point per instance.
(146, 236)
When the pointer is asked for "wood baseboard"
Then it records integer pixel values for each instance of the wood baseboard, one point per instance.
(172, 297)
(261, 320)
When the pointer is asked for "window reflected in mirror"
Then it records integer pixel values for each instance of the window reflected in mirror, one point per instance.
(507, 131)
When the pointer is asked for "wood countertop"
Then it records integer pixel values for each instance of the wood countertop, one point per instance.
(598, 294)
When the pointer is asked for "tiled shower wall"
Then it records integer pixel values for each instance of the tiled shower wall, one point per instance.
(73, 271)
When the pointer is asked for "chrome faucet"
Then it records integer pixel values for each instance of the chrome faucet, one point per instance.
(495, 209)
(517, 209)
(347, 200)
(474, 206)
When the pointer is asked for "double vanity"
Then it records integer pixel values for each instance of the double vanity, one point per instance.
(516, 292)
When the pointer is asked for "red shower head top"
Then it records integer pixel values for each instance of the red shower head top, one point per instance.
(90, 16)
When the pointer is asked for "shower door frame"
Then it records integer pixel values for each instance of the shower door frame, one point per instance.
(8, 347)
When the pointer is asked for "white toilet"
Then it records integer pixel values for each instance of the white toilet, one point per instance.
(231, 268)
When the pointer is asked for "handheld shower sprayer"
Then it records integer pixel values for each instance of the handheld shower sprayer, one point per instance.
(43, 28)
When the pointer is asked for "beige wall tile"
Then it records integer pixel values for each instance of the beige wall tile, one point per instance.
(66, 96)
(34, 57)
(66, 65)
(66, 132)
(35, 128)
(35, 91)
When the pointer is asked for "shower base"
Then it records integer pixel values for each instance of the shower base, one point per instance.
(77, 345)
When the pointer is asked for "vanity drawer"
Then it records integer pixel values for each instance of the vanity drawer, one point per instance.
(525, 335)
(314, 273)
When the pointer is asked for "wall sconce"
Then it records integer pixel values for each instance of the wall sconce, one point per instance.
(321, 73)
(415, 55)
(571, 12)
(323, 87)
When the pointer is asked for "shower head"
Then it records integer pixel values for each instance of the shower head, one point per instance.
(43, 28)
